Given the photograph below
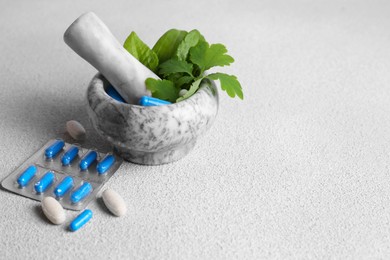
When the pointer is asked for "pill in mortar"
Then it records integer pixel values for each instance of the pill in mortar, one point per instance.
(81, 220)
(76, 130)
(53, 210)
(69, 155)
(88, 159)
(27, 175)
(105, 164)
(182, 92)
(45, 182)
(114, 94)
(64, 186)
(151, 101)
(54, 149)
(114, 202)
(83, 191)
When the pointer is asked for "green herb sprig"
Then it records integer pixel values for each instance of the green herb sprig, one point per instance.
(181, 59)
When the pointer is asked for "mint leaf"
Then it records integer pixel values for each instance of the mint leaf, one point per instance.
(166, 46)
(207, 56)
(191, 40)
(229, 83)
(136, 47)
(162, 89)
(175, 66)
(194, 87)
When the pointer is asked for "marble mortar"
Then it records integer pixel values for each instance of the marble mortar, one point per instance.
(151, 135)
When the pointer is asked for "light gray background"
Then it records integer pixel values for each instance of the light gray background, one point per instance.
(299, 169)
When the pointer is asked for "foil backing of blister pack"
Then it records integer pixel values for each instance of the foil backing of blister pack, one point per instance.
(55, 165)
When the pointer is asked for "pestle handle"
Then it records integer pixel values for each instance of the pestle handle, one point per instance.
(90, 38)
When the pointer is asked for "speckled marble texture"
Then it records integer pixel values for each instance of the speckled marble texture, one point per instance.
(151, 135)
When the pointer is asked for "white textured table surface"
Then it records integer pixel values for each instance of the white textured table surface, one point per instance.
(299, 169)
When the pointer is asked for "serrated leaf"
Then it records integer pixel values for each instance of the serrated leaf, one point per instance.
(175, 66)
(207, 56)
(194, 87)
(166, 46)
(229, 83)
(191, 40)
(136, 47)
(162, 89)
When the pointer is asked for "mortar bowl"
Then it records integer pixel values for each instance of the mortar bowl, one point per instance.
(151, 135)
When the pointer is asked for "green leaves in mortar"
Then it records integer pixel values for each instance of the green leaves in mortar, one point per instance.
(181, 60)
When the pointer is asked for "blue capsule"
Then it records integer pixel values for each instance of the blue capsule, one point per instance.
(54, 149)
(81, 220)
(45, 182)
(82, 192)
(64, 186)
(69, 155)
(105, 164)
(27, 175)
(88, 160)
(111, 91)
(151, 101)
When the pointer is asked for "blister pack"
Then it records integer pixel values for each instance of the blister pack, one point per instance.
(69, 172)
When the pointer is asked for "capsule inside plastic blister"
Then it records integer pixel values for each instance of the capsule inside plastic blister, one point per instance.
(80, 193)
(88, 160)
(54, 149)
(70, 155)
(64, 186)
(44, 182)
(104, 165)
(27, 176)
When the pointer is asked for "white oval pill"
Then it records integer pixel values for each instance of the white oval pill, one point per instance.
(53, 210)
(75, 130)
(114, 202)
(183, 92)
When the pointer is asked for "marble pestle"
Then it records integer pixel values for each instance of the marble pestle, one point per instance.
(90, 38)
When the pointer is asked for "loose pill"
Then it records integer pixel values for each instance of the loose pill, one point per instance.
(69, 155)
(88, 159)
(81, 220)
(64, 186)
(105, 164)
(53, 210)
(54, 149)
(114, 202)
(82, 192)
(75, 130)
(45, 182)
(27, 175)
(151, 101)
